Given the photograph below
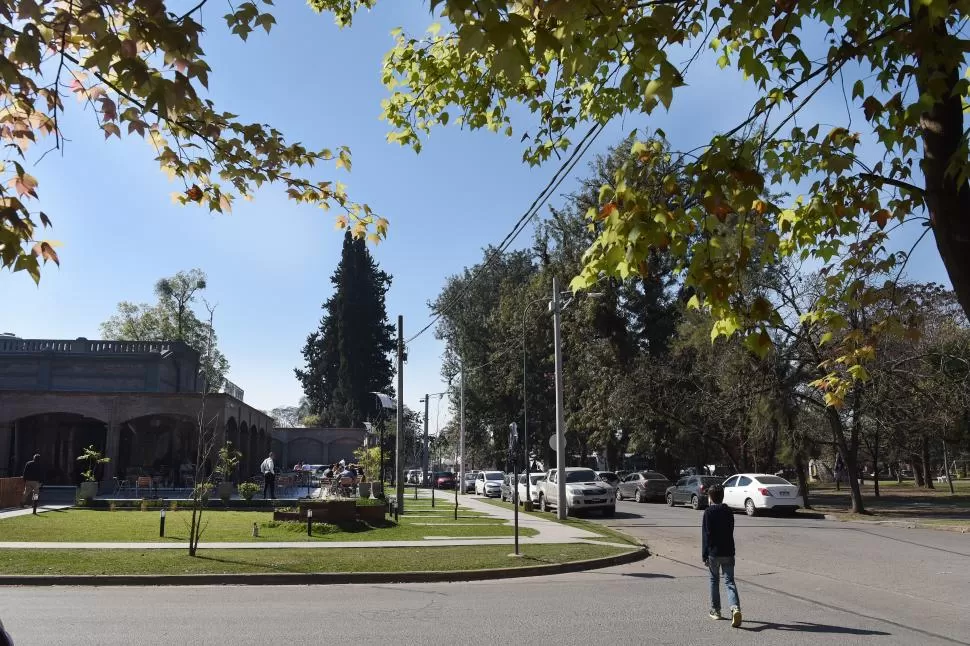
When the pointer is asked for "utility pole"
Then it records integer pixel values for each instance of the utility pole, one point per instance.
(560, 421)
(399, 443)
(424, 461)
(461, 430)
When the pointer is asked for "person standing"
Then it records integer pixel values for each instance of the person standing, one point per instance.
(717, 552)
(269, 476)
(33, 473)
(839, 470)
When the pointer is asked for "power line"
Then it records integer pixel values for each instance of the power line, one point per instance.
(557, 179)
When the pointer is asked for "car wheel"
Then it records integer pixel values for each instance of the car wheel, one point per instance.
(609, 511)
(637, 497)
(749, 508)
(542, 503)
(695, 502)
(670, 500)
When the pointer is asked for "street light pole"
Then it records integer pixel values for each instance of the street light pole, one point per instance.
(424, 461)
(461, 431)
(560, 421)
(399, 444)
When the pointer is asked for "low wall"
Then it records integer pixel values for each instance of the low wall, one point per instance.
(11, 492)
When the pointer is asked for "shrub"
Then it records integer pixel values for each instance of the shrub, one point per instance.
(248, 489)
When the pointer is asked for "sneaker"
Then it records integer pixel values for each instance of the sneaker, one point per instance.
(735, 617)
(714, 614)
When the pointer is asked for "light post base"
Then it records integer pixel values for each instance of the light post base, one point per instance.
(516, 556)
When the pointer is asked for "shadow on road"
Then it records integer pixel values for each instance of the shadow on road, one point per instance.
(647, 575)
(806, 627)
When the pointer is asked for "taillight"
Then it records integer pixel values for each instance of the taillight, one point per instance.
(764, 492)
(703, 488)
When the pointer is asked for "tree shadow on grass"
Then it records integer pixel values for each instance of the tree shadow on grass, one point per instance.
(250, 564)
(807, 627)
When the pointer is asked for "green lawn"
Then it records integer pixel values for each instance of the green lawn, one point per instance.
(897, 501)
(83, 525)
(216, 561)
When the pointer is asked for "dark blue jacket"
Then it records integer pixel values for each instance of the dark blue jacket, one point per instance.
(717, 532)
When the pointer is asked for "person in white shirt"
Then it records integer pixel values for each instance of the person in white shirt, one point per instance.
(269, 476)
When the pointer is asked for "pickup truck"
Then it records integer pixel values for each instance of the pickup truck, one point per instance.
(583, 491)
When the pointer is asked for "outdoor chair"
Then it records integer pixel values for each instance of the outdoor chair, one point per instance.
(143, 482)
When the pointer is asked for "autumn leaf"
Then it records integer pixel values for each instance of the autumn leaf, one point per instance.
(606, 211)
(880, 217)
(24, 184)
(194, 193)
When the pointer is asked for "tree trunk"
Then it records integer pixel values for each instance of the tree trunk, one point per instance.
(946, 468)
(875, 464)
(925, 458)
(848, 454)
(947, 198)
(802, 478)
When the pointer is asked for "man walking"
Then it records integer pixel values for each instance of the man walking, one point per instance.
(269, 476)
(32, 476)
(717, 551)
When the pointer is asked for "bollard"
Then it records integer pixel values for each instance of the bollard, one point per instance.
(35, 499)
(432, 496)
(161, 524)
(309, 522)
(255, 530)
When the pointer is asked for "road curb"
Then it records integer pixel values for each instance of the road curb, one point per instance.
(636, 554)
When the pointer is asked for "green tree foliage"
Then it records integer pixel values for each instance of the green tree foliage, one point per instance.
(570, 64)
(140, 66)
(172, 318)
(348, 356)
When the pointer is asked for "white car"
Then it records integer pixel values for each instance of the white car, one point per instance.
(534, 479)
(489, 483)
(754, 492)
(583, 491)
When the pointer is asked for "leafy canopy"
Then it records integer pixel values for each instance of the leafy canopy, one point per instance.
(138, 68)
(570, 64)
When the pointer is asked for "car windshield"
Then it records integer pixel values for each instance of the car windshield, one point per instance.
(536, 479)
(580, 476)
(495, 475)
(650, 475)
(772, 480)
(608, 475)
(707, 482)
(445, 474)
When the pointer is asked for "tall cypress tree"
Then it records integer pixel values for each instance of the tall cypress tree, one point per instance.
(348, 356)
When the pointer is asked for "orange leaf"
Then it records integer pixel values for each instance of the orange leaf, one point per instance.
(880, 217)
(194, 193)
(606, 211)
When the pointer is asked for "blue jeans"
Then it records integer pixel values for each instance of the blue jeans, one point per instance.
(725, 564)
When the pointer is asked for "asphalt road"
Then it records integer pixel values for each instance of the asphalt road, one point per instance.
(801, 582)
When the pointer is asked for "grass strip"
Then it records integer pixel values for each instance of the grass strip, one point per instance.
(218, 561)
(83, 525)
(596, 528)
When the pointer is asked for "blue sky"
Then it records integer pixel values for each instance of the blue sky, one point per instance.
(269, 262)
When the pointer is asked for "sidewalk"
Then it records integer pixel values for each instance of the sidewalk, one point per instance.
(12, 512)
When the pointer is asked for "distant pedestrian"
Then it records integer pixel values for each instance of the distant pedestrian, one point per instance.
(269, 476)
(33, 474)
(839, 471)
(717, 551)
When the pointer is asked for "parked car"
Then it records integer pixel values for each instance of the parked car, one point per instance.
(470, 477)
(754, 492)
(508, 487)
(489, 483)
(692, 490)
(444, 480)
(643, 486)
(608, 477)
(534, 480)
(412, 476)
(583, 491)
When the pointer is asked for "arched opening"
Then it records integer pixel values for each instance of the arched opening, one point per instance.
(232, 435)
(245, 463)
(162, 446)
(59, 438)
